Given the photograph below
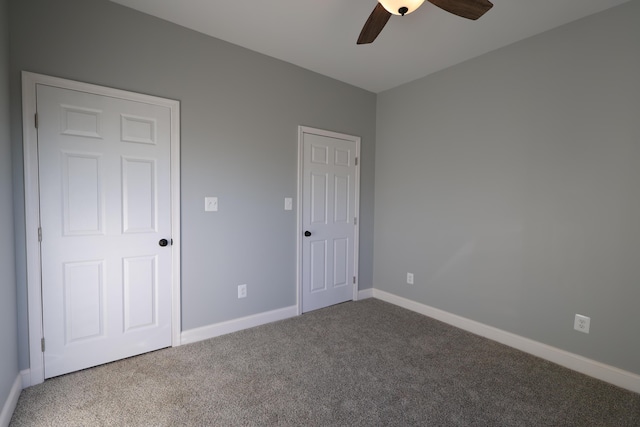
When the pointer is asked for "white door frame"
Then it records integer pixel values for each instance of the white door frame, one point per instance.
(356, 139)
(32, 205)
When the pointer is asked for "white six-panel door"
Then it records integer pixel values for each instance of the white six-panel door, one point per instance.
(329, 213)
(105, 205)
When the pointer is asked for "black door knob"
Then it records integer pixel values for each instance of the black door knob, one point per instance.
(307, 233)
(163, 242)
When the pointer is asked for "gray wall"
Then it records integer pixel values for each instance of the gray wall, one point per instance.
(240, 112)
(510, 186)
(8, 328)
(507, 184)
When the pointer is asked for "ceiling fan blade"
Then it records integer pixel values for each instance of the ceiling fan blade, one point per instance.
(470, 9)
(376, 22)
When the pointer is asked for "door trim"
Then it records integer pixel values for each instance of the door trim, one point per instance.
(32, 204)
(302, 130)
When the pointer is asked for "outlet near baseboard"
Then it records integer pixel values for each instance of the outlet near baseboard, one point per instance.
(582, 323)
(410, 278)
(242, 291)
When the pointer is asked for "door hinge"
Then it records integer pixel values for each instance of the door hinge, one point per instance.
(40, 234)
(354, 280)
(35, 117)
(356, 161)
(42, 344)
(355, 220)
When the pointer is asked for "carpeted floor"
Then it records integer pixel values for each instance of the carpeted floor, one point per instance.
(367, 363)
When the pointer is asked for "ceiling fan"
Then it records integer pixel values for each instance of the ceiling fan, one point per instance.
(470, 9)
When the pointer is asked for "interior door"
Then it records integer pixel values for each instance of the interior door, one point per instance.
(329, 214)
(105, 208)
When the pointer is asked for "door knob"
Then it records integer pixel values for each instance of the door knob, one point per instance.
(307, 233)
(163, 242)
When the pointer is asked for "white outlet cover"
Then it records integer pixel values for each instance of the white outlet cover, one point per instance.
(410, 278)
(288, 203)
(242, 291)
(211, 204)
(582, 323)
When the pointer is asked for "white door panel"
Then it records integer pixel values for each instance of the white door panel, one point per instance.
(329, 211)
(105, 203)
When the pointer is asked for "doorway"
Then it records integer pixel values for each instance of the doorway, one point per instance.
(102, 217)
(328, 202)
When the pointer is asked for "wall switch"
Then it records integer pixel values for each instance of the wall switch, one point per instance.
(288, 203)
(242, 291)
(582, 323)
(211, 204)
(410, 278)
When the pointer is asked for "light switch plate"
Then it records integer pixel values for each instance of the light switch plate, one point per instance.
(288, 203)
(211, 204)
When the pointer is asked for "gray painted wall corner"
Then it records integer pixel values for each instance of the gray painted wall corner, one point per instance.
(240, 113)
(520, 194)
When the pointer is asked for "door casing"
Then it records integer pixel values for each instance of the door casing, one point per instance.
(32, 206)
(299, 229)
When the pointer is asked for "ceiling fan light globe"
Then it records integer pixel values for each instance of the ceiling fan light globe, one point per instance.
(393, 6)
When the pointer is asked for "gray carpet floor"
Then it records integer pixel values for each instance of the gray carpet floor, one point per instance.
(365, 363)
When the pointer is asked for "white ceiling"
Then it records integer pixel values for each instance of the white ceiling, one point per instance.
(320, 35)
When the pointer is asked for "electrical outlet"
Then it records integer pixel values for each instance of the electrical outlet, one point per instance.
(242, 291)
(410, 278)
(211, 204)
(582, 323)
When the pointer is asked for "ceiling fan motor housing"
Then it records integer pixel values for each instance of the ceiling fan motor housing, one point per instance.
(401, 7)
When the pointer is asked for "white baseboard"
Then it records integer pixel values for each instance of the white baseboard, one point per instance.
(365, 293)
(26, 378)
(223, 328)
(11, 402)
(607, 373)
